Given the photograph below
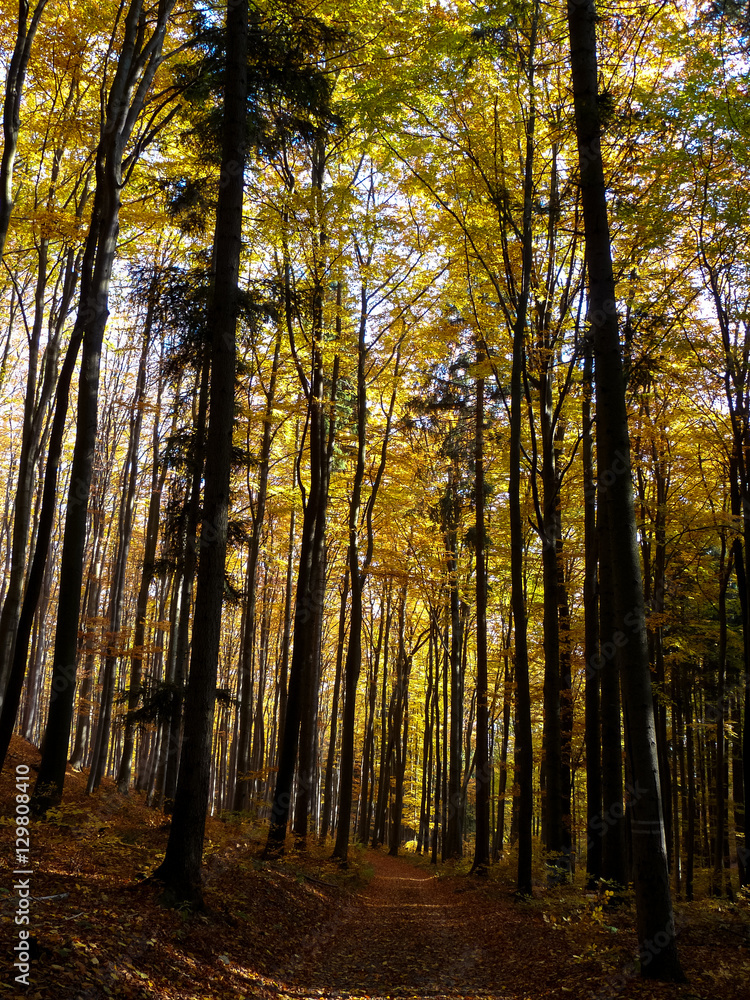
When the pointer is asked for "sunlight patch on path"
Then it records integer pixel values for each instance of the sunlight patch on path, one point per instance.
(403, 906)
(396, 994)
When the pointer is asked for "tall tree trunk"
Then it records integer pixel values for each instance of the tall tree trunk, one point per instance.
(378, 832)
(523, 744)
(551, 771)
(298, 726)
(32, 705)
(258, 514)
(139, 58)
(328, 786)
(176, 670)
(15, 621)
(502, 784)
(453, 836)
(306, 604)
(158, 476)
(358, 575)
(690, 752)
(180, 870)
(117, 587)
(90, 632)
(721, 857)
(611, 825)
(438, 758)
(36, 403)
(594, 846)
(655, 919)
(738, 794)
(423, 834)
(483, 770)
(399, 727)
(368, 756)
(36, 575)
(14, 82)
(30, 436)
(286, 636)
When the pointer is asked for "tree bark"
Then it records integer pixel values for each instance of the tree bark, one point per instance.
(453, 834)
(358, 575)
(481, 861)
(139, 58)
(340, 645)
(594, 846)
(524, 744)
(180, 870)
(655, 919)
(117, 586)
(241, 794)
(368, 756)
(16, 620)
(158, 476)
(14, 83)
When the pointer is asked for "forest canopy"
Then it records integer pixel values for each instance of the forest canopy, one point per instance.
(375, 427)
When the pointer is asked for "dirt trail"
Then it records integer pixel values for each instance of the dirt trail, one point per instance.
(411, 934)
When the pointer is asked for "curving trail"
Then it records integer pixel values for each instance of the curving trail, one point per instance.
(412, 935)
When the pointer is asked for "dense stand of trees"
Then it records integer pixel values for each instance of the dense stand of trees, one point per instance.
(400, 492)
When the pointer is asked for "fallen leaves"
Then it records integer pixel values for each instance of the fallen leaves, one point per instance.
(300, 929)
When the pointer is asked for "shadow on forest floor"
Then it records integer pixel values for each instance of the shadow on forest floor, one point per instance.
(301, 928)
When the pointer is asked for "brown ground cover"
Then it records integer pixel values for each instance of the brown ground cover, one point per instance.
(301, 928)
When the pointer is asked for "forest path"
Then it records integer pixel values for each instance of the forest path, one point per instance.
(410, 934)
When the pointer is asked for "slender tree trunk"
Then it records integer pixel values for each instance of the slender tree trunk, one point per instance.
(483, 771)
(14, 83)
(594, 846)
(185, 571)
(259, 739)
(246, 690)
(424, 806)
(453, 839)
(304, 625)
(287, 633)
(304, 667)
(180, 870)
(655, 919)
(30, 434)
(90, 630)
(32, 704)
(720, 855)
(158, 475)
(738, 794)
(19, 647)
(438, 758)
(523, 744)
(505, 739)
(690, 833)
(399, 728)
(139, 58)
(368, 757)
(610, 826)
(117, 588)
(41, 550)
(551, 772)
(378, 833)
(328, 786)
(358, 575)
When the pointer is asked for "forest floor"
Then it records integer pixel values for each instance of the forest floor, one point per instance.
(300, 928)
